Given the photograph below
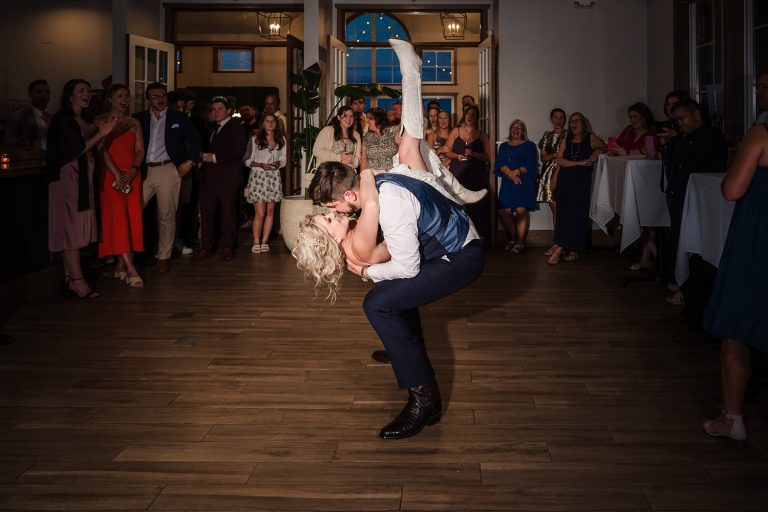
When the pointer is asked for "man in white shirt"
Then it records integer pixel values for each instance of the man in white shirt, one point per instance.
(435, 251)
(172, 148)
(29, 126)
(272, 106)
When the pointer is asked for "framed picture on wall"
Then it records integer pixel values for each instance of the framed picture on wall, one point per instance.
(233, 60)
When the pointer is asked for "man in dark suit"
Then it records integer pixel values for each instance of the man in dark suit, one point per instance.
(221, 180)
(172, 147)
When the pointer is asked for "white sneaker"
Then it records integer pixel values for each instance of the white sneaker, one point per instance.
(187, 250)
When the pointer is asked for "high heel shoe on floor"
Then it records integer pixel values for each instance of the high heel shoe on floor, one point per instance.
(64, 288)
(134, 281)
(73, 294)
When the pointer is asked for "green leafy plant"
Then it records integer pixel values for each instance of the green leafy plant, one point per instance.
(307, 98)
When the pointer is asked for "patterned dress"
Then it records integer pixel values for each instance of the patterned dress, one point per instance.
(379, 149)
(264, 186)
(549, 143)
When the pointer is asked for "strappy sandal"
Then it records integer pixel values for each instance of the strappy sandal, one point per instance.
(517, 249)
(90, 295)
(134, 281)
(551, 250)
(121, 275)
(509, 245)
(676, 299)
(571, 256)
(554, 258)
(264, 247)
(256, 249)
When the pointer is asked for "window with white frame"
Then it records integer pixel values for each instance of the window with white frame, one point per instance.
(756, 54)
(437, 67)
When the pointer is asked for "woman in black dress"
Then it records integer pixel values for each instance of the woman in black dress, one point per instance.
(571, 186)
(737, 309)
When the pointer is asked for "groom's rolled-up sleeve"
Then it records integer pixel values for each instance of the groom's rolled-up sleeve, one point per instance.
(399, 212)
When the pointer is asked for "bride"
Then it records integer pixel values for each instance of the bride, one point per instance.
(326, 244)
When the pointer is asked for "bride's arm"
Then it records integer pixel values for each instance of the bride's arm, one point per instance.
(366, 231)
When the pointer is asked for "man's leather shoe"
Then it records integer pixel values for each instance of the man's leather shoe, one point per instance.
(227, 254)
(381, 356)
(424, 408)
(163, 266)
(201, 255)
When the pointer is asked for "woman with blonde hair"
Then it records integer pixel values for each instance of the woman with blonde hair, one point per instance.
(516, 164)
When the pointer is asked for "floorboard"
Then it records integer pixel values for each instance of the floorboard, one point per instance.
(229, 386)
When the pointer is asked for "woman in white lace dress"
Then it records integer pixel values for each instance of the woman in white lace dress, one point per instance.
(265, 156)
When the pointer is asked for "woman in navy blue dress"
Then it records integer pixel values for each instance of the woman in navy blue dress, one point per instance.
(737, 310)
(517, 164)
(571, 186)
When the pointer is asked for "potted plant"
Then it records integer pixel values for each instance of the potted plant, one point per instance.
(307, 97)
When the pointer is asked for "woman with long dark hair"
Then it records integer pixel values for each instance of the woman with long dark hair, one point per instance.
(379, 145)
(339, 142)
(71, 214)
(469, 151)
(548, 147)
(122, 154)
(265, 156)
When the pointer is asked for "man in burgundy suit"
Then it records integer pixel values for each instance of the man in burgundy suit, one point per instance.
(221, 180)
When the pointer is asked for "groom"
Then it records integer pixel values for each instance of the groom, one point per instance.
(435, 251)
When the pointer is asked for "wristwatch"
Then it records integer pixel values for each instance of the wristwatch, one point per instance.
(362, 274)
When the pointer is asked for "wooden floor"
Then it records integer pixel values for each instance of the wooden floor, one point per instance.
(224, 386)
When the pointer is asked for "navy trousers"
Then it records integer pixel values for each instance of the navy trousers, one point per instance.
(392, 308)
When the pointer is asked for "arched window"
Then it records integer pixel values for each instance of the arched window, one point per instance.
(367, 61)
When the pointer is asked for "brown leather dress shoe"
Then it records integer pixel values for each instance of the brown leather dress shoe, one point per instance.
(201, 255)
(227, 254)
(163, 266)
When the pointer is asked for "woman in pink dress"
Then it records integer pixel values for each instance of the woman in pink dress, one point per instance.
(122, 153)
(71, 217)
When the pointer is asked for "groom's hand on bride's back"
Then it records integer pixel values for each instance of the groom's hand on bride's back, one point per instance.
(355, 269)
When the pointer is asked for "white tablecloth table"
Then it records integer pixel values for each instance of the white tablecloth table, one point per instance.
(706, 218)
(629, 187)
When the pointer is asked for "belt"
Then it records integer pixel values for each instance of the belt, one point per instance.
(158, 164)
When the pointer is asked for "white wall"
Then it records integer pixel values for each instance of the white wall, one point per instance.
(660, 54)
(54, 40)
(552, 54)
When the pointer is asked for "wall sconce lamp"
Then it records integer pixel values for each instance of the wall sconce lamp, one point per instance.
(454, 25)
(274, 25)
(584, 4)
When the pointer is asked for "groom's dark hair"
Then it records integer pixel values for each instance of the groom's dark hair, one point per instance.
(330, 182)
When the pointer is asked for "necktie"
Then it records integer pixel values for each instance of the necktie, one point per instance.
(215, 131)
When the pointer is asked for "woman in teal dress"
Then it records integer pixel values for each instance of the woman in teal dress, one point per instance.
(738, 308)
(517, 163)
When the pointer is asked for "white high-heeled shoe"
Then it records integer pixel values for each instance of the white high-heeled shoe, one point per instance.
(461, 194)
(412, 123)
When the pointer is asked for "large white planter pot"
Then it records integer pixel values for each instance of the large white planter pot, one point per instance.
(293, 209)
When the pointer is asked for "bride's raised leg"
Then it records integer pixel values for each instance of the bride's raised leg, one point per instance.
(413, 126)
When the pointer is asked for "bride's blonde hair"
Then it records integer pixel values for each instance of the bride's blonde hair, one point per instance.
(319, 256)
